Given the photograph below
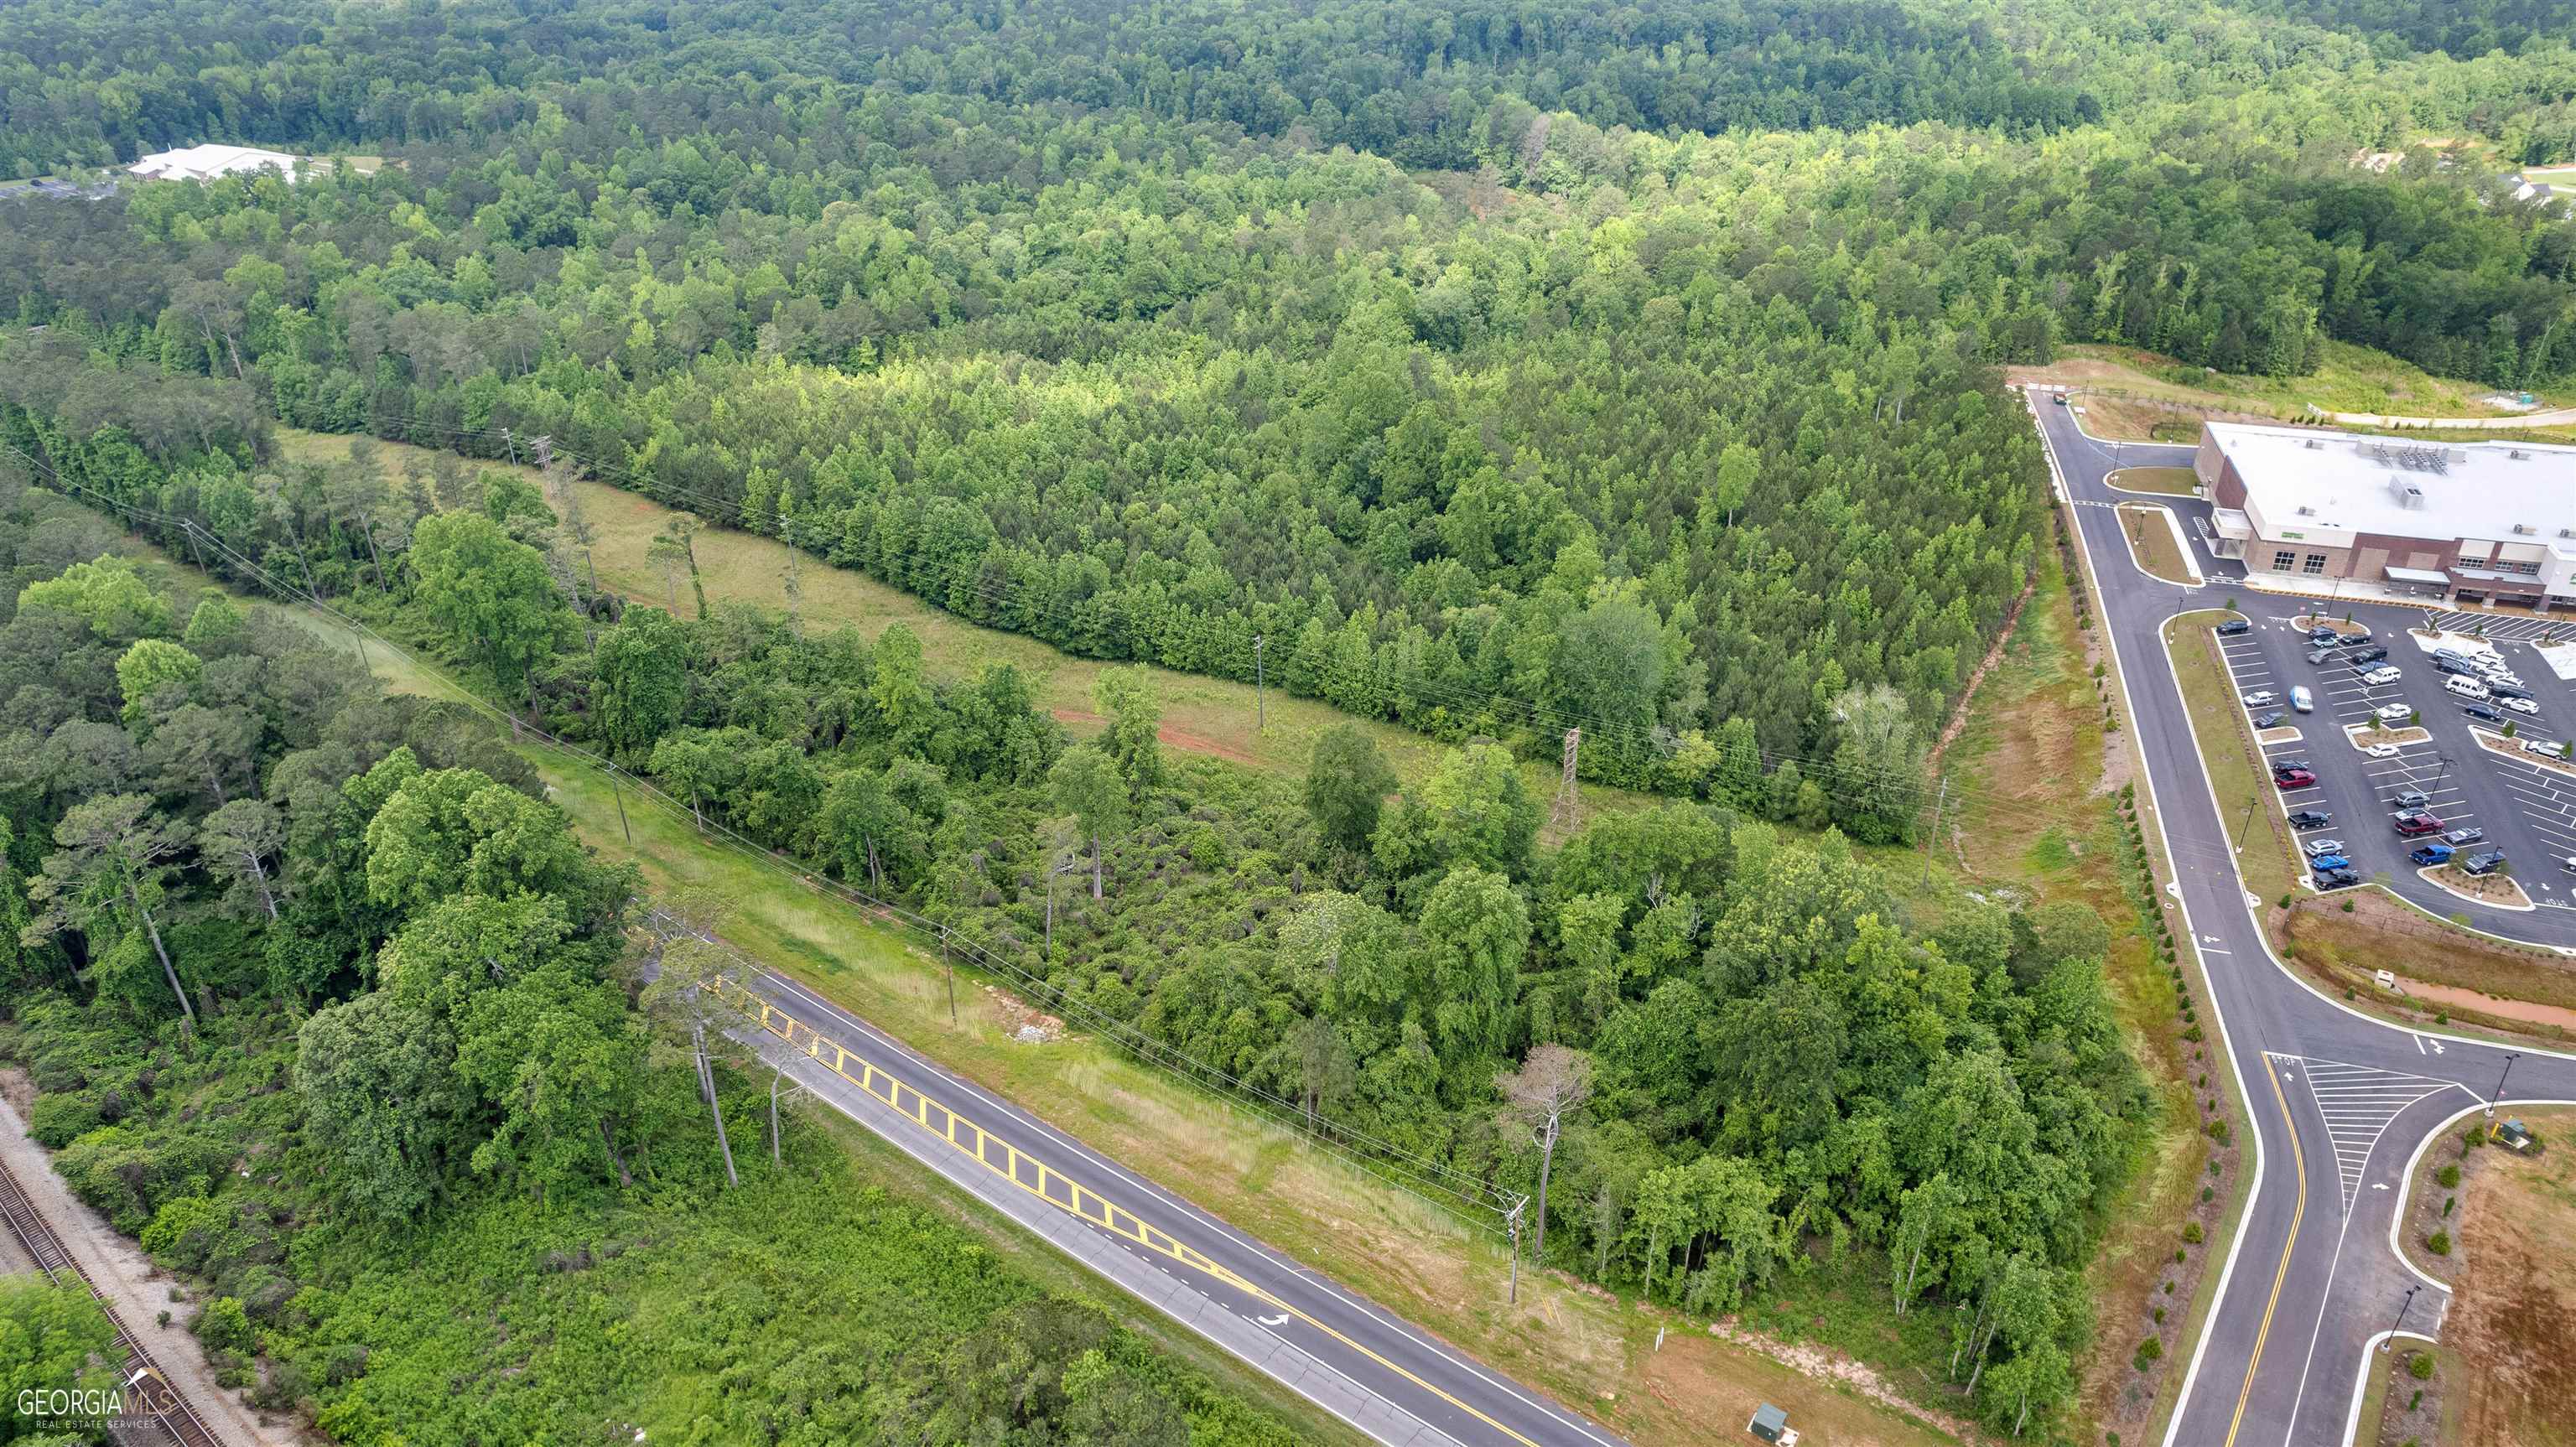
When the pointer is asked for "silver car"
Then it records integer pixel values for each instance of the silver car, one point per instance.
(2319, 847)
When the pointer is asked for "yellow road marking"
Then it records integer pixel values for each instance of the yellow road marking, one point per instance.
(783, 1025)
(2299, 1163)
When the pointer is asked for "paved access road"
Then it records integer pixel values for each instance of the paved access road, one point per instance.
(2339, 1102)
(1386, 1378)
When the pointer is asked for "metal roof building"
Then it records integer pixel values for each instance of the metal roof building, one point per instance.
(2450, 520)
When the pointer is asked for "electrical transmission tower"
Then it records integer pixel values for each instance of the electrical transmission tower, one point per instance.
(1569, 805)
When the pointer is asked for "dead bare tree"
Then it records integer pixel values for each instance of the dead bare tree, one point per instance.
(1552, 1083)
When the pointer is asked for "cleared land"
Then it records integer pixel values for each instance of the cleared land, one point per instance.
(1201, 715)
(2511, 1335)
(2343, 939)
(2349, 379)
(2035, 766)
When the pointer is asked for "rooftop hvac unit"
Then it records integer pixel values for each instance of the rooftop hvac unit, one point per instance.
(2524, 529)
(2518, 455)
(2407, 493)
(2307, 512)
(2315, 445)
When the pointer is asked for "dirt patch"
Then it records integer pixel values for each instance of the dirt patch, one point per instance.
(1835, 1367)
(136, 1290)
(2512, 1327)
(1171, 738)
(2452, 997)
(2513, 749)
(1019, 1020)
(1985, 665)
(19, 1089)
(2340, 939)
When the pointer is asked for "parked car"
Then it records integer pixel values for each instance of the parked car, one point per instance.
(2338, 879)
(2234, 626)
(2322, 633)
(2519, 705)
(2393, 712)
(2319, 655)
(2487, 863)
(2057, 397)
(2329, 861)
(2455, 665)
(2302, 700)
(2260, 697)
(2306, 819)
(2315, 847)
(2411, 825)
(2464, 835)
(2509, 690)
(2546, 748)
(2384, 674)
(2482, 712)
(2289, 779)
(2269, 720)
(2352, 634)
(2410, 798)
(2366, 655)
(2381, 751)
(2451, 653)
(2428, 854)
(2466, 687)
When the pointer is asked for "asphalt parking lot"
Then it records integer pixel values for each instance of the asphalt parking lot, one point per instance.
(2527, 809)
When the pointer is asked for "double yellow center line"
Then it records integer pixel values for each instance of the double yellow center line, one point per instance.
(2298, 1163)
(1037, 1178)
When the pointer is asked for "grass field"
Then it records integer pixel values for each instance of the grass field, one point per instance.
(2349, 379)
(2152, 544)
(1202, 715)
(2036, 767)
(2172, 481)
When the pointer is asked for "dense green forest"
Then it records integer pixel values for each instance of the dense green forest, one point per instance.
(1782, 1078)
(327, 1006)
(1496, 371)
(1489, 372)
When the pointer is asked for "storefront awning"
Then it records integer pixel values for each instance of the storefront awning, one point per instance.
(2419, 575)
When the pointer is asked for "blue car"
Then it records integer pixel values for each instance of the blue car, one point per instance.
(2430, 854)
(2327, 862)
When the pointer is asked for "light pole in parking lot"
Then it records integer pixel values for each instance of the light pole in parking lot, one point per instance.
(2440, 774)
(2509, 1059)
(2390, 1342)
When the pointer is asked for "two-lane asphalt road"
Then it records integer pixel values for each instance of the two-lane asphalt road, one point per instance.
(2339, 1102)
(1386, 1378)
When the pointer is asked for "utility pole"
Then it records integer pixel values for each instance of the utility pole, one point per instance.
(512, 444)
(2250, 801)
(363, 661)
(1568, 803)
(2390, 1343)
(1514, 1221)
(1932, 844)
(620, 796)
(949, 963)
(190, 528)
(2500, 1080)
(1260, 697)
(544, 447)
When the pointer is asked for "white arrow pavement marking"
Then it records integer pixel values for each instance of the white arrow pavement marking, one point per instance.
(1282, 1319)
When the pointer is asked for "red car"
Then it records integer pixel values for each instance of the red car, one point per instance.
(2411, 825)
(2294, 778)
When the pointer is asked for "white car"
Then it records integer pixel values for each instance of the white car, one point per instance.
(2521, 705)
(2318, 848)
(2393, 712)
(2381, 751)
(2384, 673)
(2546, 748)
(2466, 687)
(2501, 675)
(2260, 697)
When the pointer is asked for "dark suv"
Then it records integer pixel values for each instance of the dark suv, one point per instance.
(2360, 656)
(2234, 626)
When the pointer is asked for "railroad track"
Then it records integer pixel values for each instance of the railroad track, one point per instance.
(143, 1382)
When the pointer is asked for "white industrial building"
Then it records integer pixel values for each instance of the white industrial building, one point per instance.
(2492, 521)
(205, 163)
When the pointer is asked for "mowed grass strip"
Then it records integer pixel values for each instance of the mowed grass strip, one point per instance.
(2171, 481)
(2247, 806)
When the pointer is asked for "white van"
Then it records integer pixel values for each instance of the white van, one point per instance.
(2302, 700)
(2466, 687)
